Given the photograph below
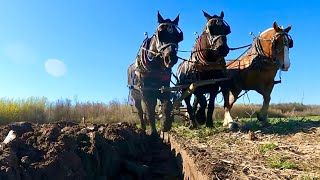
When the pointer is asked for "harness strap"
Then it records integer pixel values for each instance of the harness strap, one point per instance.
(218, 64)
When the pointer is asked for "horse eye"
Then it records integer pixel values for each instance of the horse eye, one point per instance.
(164, 26)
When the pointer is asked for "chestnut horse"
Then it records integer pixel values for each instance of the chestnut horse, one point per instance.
(152, 70)
(205, 63)
(257, 69)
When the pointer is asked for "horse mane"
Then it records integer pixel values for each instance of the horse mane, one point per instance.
(246, 60)
(265, 31)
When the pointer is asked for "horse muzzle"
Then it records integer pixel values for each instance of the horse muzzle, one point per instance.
(221, 47)
(286, 60)
(285, 67)
(170, 61)
(223, 50)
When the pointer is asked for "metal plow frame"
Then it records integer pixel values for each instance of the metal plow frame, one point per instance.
(191, 88)
(177, 109)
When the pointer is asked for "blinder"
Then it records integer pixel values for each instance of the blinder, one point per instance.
(169, 32)
(290, 42)
(180, 36)
(218, 31)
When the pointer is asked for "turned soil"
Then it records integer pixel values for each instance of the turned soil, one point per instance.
(67, 150)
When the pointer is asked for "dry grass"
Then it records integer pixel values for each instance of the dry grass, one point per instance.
(40, 110)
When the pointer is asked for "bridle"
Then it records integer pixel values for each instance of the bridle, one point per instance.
(161, 46)
(212, 38)
(286, 42)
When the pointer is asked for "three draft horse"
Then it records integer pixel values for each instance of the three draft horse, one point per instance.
(205, 63)
(152, 70)
(257, 69)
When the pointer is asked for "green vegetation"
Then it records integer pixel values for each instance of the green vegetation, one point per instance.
(310, 178)
(281, 125)
(263, 148)
(280, 163)
(275, 110)
(200, 133)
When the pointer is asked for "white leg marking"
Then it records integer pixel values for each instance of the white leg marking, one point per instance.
(227, 118)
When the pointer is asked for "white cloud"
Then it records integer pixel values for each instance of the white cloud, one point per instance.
(20, 53)
(55, 67)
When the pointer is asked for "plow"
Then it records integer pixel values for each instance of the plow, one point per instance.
(179, 96)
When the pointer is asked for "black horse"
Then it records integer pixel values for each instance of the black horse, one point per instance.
(152, 70)
(206, 62)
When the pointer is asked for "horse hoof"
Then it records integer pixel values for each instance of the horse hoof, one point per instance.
(209, 125)
(260, 118)
(265, 123)
(192, 126)
(165, 129)
(200, 117)
(233, 126)
(143, 128)
(201, 121)
(166, 126)
(154, 136)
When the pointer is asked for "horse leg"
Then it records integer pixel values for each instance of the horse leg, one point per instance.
(193, 123)
(140, 114)
(200, 114)
(230, 97)
(167, 116)
(263, 114)
(151, 102)
(212, 98)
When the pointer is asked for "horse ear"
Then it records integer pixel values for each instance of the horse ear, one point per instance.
(206, 15)
(287, 29)
(176, 20)
(160, 18)
(221, 14)
(275, 26)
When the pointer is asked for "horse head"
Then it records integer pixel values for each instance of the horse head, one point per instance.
(275, 44)
(166, 40)
(216, 30)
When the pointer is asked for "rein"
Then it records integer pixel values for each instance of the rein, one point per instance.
(231, 49)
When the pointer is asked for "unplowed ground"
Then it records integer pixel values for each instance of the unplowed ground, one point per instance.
(287, 149)
(71, 151)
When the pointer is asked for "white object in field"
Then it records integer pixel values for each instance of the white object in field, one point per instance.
(10, 137)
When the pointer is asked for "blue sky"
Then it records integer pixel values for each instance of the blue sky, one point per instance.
(93, 42)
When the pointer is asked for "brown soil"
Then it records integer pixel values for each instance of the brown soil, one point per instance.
(67, 150)
(240, 155)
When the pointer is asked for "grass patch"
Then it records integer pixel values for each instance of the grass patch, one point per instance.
(280, 163)
(310, 178)
(281, 125)
(263, 148)
(200, 133)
